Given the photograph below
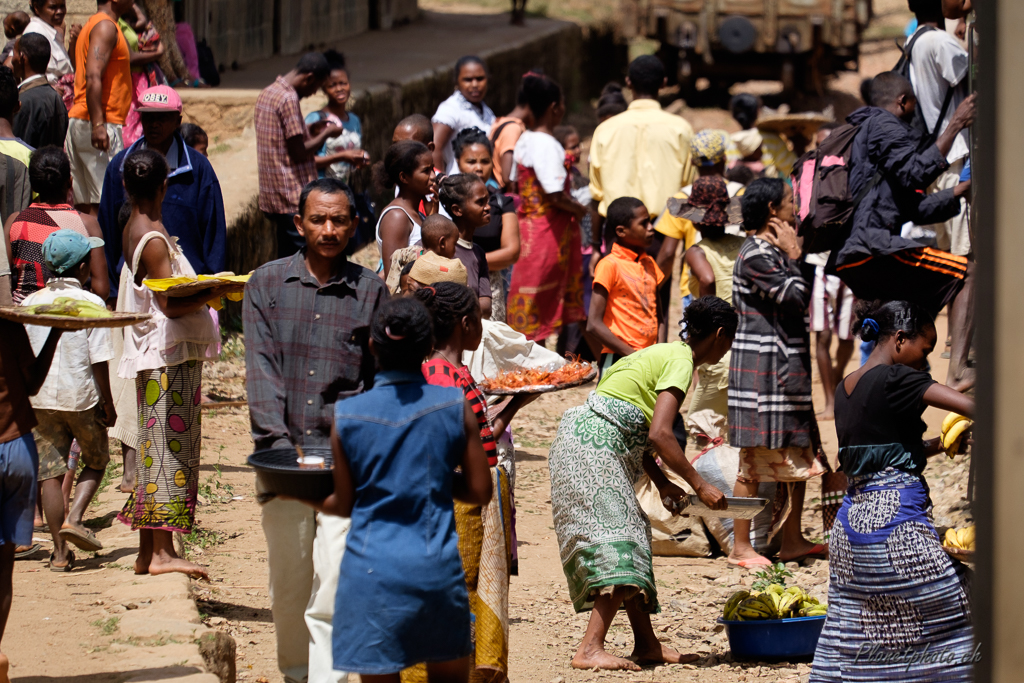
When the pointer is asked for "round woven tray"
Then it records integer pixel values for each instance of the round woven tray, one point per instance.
(190, 288)
(960, 553)
(544, 388)
(788, 124)
(19, 315)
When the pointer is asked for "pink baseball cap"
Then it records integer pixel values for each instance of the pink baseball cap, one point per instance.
(159, 98)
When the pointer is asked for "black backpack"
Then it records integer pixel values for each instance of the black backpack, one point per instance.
(902, 67)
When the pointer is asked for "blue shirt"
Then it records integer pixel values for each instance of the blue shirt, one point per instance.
(193, 210)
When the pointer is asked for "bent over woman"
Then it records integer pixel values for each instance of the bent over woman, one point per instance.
(599, 452)
(892, 588)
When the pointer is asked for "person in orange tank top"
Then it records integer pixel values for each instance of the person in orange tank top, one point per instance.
(103, 93)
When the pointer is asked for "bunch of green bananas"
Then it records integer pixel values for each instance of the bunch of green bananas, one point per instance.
(72, 308)
(777, 602)
(953, 428)
(960, 538)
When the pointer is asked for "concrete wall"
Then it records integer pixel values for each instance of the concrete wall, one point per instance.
(559, 53)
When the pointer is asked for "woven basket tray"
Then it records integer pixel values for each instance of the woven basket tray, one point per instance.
(18, 315)
(544, 388)
(190, 288)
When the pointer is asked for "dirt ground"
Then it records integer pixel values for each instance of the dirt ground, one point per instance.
(63, 628)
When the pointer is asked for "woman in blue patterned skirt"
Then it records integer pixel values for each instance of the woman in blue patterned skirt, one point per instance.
(898, 604)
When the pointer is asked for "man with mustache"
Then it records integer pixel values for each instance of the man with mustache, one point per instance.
(307, 319)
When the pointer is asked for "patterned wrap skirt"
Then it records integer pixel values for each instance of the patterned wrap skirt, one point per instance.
(604, 537)
(898, 605)
(167, 463)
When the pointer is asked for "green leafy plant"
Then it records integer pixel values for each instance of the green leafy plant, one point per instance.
(107, 626)
(775, 573)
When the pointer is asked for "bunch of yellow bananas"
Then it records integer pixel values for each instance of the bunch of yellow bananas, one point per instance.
(953, 428)
(72, 308)
(776, 602)
(960, 538)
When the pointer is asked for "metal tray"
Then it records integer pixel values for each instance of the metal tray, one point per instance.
(281, 475)
(739, 508)
(544, 388)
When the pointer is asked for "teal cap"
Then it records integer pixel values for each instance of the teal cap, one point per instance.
(65, 249)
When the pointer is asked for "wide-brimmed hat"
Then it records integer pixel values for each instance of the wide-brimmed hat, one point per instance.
(708, 204)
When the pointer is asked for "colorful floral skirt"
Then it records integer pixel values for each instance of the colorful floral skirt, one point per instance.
(898, 605)
(167, 463)
(604, 537)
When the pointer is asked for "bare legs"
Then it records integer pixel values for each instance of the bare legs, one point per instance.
(6, 593)
(53, 509)
(128, 455)
(831, 375)
(742, 550)
(961, 328)
(794, 545)
(647, 648)
(157, 556)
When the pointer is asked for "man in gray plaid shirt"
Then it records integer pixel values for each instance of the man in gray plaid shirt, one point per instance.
(307, 319)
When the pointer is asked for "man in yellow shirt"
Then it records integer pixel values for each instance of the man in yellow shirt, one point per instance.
(708, 151)
(643, 152)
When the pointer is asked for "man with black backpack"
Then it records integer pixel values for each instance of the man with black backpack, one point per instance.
(936, 64)
(888, 172)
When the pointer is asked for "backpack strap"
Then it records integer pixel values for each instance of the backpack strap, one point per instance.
(908, 48)
(875, 179)
(497, 132)
(934, 135)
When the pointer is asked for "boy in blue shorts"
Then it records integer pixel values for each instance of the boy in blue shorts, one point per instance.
(21, 375)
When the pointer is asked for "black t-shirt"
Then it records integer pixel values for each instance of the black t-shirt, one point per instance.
(884, 410)
(489, 236)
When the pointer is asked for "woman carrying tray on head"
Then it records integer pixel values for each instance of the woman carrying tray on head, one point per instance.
(892, 588)
(164, 355)
(485, 531)
(599, 453)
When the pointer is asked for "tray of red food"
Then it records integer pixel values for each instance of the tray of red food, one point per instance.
(539, 380)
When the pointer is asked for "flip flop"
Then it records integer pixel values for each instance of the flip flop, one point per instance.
(86, 541)
(819, 551)
(31, 550)
(751, 564)
(66, 568)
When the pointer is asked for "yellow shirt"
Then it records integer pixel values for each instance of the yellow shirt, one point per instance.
(15, 148)
(643, 152)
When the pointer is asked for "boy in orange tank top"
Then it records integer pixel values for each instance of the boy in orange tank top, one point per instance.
(103, 91)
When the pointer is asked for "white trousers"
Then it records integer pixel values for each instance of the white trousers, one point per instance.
(304, 551)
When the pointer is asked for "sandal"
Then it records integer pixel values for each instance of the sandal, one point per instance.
(29, 550)
(65, 568)
(86, 541)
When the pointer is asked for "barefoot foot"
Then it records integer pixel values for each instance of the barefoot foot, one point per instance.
(748, 559)
(161, 565)
(5, 664)
(662, 654)
(141, 565)
(804, 549)
(602, 660)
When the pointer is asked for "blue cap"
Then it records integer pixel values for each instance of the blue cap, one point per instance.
(65, 249)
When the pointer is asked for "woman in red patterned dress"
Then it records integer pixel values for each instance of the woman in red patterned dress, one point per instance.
(547, 290)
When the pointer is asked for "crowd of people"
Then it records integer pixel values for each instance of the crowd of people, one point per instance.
(495, 241)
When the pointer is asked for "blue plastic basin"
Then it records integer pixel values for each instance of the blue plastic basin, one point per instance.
(774, 639)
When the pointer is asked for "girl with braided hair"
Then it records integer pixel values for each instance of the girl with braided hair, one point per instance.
(401, 568)
(484, 530)
(466, 199)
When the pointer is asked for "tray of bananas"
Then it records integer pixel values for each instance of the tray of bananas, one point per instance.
(775, 602)
(959, 543)
(775, 624)
(70, 314)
